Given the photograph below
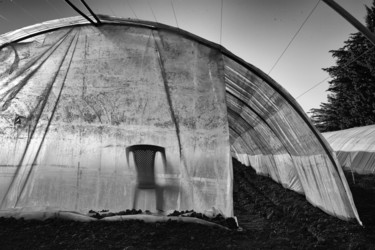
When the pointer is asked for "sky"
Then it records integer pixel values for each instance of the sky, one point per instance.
(257, 31)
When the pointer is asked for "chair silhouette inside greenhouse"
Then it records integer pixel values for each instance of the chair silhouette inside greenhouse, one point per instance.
(144, 159)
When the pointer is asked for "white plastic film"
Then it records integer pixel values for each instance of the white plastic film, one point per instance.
(72, 100)
(355, 148)
(72, 104)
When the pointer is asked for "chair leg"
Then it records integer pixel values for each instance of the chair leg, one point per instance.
(135, 199)
(159, 198)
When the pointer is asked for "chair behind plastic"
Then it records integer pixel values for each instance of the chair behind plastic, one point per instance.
(144, 160)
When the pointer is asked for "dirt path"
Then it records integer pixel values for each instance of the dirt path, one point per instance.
(289, 220)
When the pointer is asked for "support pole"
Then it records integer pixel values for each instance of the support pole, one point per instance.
(91, 12)
(80, 12)
(365, 31)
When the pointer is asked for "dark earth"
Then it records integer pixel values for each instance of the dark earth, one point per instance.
(270, 217)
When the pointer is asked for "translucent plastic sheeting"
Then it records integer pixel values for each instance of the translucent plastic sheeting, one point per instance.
(269, 134)
(355, 148)
(34, 29)
(73, 100)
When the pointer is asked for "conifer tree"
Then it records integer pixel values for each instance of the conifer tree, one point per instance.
(351, 102)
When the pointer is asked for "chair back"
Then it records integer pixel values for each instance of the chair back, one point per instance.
(144, 159)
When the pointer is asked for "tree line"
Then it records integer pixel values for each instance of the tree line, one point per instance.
(351, 99)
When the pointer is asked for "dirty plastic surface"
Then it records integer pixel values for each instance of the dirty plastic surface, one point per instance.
(73, 99)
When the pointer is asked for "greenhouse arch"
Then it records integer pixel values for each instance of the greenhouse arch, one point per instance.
(83, 93)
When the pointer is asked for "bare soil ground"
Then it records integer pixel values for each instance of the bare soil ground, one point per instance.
(271, 217)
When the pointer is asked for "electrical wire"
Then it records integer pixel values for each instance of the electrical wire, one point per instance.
(152, 11)
(3, 41)
(29, 14)
(344, 66)
(174, 13)
(313, 87)
(53, 7)
(135, 15)
(110, 8)
(295, 35)
(25, 11)
(221, 21)
(4, 18)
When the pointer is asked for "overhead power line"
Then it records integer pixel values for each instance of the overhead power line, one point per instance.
(174, 13)
(132, 10)
(152, 11)
(26, 12)
(221, 21)
(110, 8)
(344, 66)
(295, 35)
(53, 7)
(4, 18)
(313, 87)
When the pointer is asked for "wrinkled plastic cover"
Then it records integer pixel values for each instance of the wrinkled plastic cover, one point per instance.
(267, 128)
(355, 148)
(268, 133)
(72, 100)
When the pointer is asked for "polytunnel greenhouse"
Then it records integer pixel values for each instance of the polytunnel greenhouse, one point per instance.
(74, 96)
(354, 148)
